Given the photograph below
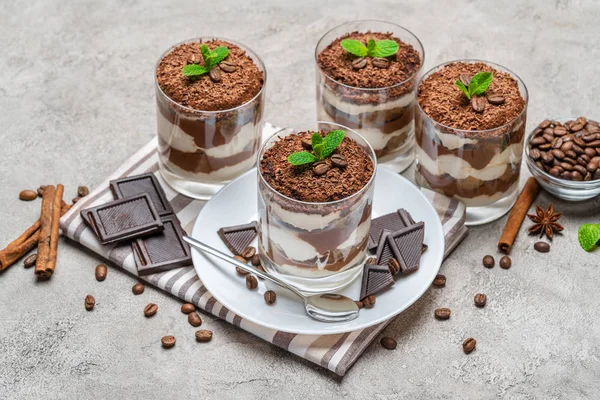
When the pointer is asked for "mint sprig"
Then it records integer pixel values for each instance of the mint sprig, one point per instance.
(211, 59)
(588, 236)
(322, 147)
(478, 85)
(374, 48)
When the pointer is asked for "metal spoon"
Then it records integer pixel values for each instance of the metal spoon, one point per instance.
(329, 307)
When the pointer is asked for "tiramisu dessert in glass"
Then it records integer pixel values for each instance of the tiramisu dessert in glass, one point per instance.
(470, 131)
(366, 80)
(210, 100)
(315, 194)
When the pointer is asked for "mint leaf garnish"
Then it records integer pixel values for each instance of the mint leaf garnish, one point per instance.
(194, 70)
(463, 88)
(301, 158)
(354, 46)
(588, 236)
(332, 141)
(384, 48)
(479, 83)
(316, 139)
(205, 54)
(371, 46)
(218, 55)
(211, 59)
(318, 150)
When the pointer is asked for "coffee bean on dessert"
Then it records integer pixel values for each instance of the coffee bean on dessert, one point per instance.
(439, 281)
(227, 66)
(388, 343)
(270, 297)
(101, 272)
(251, 282)
(248, 252)
(30, 260)
(480, 299)
(359, 304)
(464, 79)
(359, 63)
(382, 63)
(150, 310)
(505, 262)
(255, 260)
(89, 302)
(138, 288)
(469, 345)
(496, 99)
(338, 160)
(542, 247)
(83, 191)
(369, 301)
(394, 266)
(168, 341)
(320, 169)
(306, 143)
(215, 75)
(488, 261)
(204, 335)
(188, 308)
(194, 319)
(478, 104)
(28, 195)
(442, 313)
(40, 190)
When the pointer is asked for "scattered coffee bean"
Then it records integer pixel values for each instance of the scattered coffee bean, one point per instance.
(478, 104)
(306, 143)
(359, 63)
(542, 247)
(488, 261)
(138, 288)
(248, 252)
(496, 99)
(369, 301)
(464, 79)
(338, 160)
(388, 343)
(194, 319)
(394, 266)
(30, 260)
(101, 272)
(75, 199)
(168, 341)
(360, 304)
(251, 282)
(442, 313)
(188, 308)
(371, 261)
(204, 335)
(382, 63)
(320, 169)
(439, 281)
(255, 260)
(89, 302)
(227, 66)
(28, 195)
(480, 299)
(150, 310)
(270, 297)
(241, 271)
(469, 345)
(83, 191)
(215, 75)
(505, 262)
(40, 190)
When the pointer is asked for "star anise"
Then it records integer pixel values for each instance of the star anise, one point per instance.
(545, 222)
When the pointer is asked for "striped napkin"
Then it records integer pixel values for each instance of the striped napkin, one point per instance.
(334, 352)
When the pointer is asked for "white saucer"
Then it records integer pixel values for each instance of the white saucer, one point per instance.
(236, 204)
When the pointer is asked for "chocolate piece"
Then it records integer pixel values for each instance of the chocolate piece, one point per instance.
(392, 222)
(124, 219)
(376, 278)
(163, 251)
(238, 237)
(145, 183)
(405, 245)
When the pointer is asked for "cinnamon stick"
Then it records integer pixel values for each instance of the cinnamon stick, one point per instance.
(43, 256)
(55, 229)
(517, 215)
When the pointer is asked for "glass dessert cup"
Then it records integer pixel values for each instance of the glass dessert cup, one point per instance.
(201, 151)
(384, 116)
(316, 247)
(480, 168)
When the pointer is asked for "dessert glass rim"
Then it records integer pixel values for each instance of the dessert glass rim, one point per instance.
(473, 61)
(421, 54)
(202, 39)
(371, 154)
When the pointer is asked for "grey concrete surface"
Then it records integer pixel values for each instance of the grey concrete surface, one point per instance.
(77, 99)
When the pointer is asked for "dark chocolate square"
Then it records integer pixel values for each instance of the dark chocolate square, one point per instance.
(406, 245)
(238, 237)
(392, 222)
(145, 183)
(376, 278)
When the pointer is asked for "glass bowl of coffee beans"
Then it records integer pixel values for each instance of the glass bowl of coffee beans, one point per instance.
(564, 156)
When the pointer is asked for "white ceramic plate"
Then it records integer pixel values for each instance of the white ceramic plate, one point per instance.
(236, 204)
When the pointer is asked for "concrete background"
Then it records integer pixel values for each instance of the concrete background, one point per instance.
(77, 99)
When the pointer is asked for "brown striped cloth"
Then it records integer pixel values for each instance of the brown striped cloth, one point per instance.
(334, 352)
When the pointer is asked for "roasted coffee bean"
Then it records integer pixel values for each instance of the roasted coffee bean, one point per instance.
(251, 282)
(566, 166)
(40, 190)
(168, 341)
(488, 261)
(227, 66)
(595, 143)
(89, 302)
(306, 143)
(597, 174)
(570, 154)
(75, 199)
(576, 176)
(359, 304)
(582, 170)
(469, 345)
(569, 160)
(150, 310)
(540, 165)
(590, 137)
(194, 319)
(496, 99)
(369, 301)
(478, 104)
(204, 335)
(439, 281)
(544, 124)
(587, 177)
(138, 289)
(554, 171)
(545, 146)
(248, 252)
(566, 175)
(505, 262)
(359, 63)
(465, 79)
(30, 260)
(382, 63)
(270, 297)
(388, 343)
(255, 260)
(101, 272)
(442, 313)
(589, 152)
(547, 158)
(592, 167)
(83, 191)
(583, 160)
(548, 137)
(560, 131)
(394, 266)
(241, 271)
(480, 299)
(537, 141)
(188, 308)
(557, 143)
(542, 247)
(558, 154)
(537, 132)
(28, 195)
(371, 261)
(579, 143)
(577, 126)
(535, 154)
(320, 169)
(193, 59)
(566, 146)
(215, 75)
(338, 160)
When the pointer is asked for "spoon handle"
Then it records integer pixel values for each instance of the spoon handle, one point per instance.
(246, 267)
